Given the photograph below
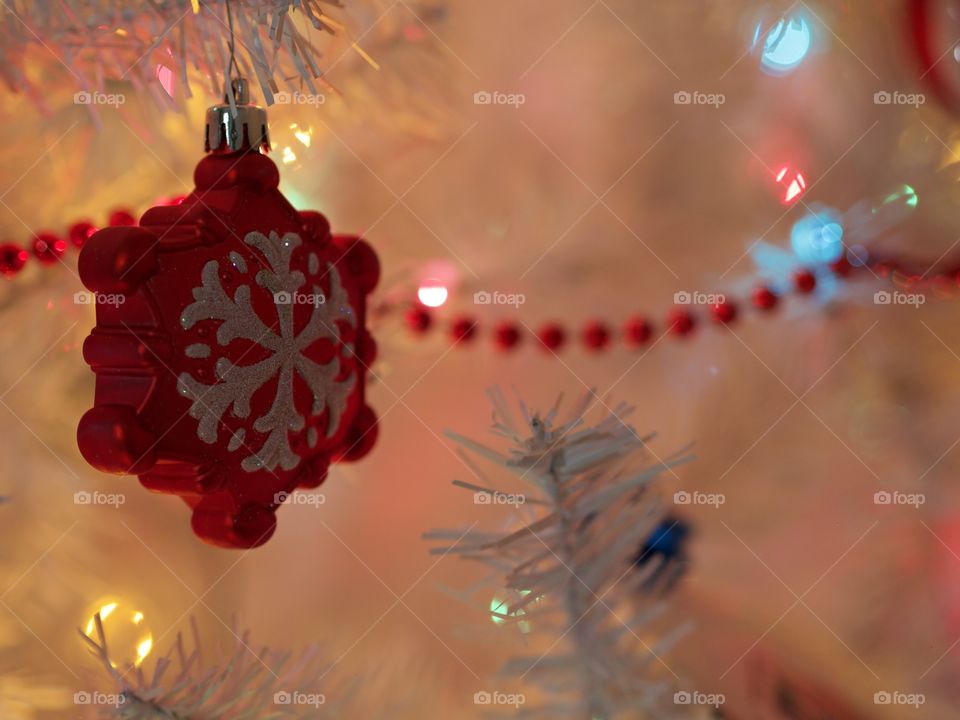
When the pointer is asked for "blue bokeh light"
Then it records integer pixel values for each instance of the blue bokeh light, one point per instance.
(785, 45)
(817, 238)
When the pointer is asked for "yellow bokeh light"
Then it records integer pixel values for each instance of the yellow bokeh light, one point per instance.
(128, 638)
(288, 156)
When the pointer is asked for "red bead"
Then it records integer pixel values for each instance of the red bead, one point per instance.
(596, 336)
(724, 312)
(506, 336)
(463, 329)
(48, 248)
(636, 331)
(763, 298)
(681, 322)
(804, 281)
(551, 337)
(841, 267)
(121, 218)
(12, 258)
(418, 320)
(80, 232)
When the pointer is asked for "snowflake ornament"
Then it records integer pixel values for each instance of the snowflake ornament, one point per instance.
(235, 384)
(234, 370)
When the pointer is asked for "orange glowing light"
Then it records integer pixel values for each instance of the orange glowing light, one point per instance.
(793, 181)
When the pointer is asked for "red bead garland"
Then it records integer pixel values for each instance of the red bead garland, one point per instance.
(724, 312)
(12, 258)
(636, 331)
(551, 337)
(48, 248)
(418, 320)
(596, 336)
(804, 281)
(681, 322)
(506, 335)
(463, 329)
(80, 232)
(763, 298)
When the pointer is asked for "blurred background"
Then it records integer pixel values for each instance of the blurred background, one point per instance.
(638, 158)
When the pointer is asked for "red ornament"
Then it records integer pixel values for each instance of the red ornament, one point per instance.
(551, 337)
(724, 312)
(636, 331)
(463, 329)
(234, 370)
(596, 336)
(418, 320)
(804, 281)
(80, 232)
(48, 248)
(681, 322)
(763, 298)
(506, 335)
(12, 258)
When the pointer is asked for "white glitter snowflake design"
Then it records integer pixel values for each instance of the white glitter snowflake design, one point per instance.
(236, 384)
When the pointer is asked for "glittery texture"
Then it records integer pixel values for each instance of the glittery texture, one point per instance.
(236, 384)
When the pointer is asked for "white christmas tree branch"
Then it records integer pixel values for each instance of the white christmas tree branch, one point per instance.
(568, 564)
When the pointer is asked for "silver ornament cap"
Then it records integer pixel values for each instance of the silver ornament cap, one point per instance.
(238, 126)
